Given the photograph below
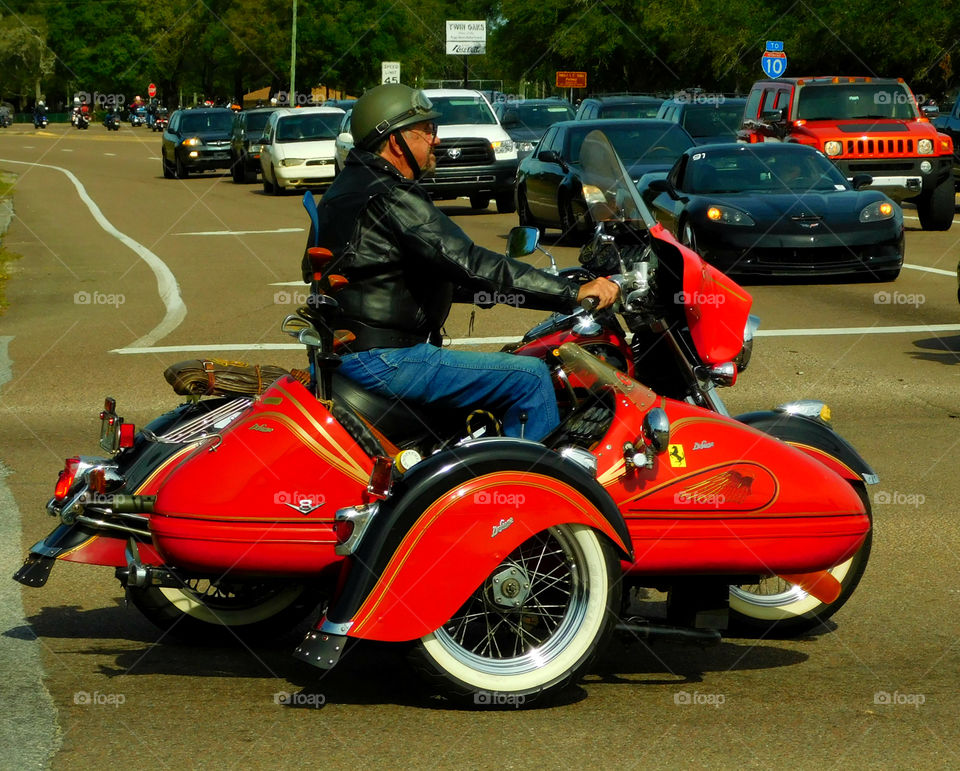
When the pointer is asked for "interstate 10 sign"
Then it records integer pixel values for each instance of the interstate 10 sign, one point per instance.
(774, 63)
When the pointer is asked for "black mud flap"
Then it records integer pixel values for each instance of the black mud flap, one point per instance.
(35, 571)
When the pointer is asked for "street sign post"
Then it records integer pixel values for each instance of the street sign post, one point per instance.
(571, 80)
(389, 72)
(466, 37)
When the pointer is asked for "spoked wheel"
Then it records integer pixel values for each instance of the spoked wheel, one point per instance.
(532, 627)
(201, 609)
(776, 607)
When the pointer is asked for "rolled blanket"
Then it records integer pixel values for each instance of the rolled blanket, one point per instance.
(217, 377)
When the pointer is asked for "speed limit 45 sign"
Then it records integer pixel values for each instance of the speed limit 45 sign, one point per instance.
(389, 72)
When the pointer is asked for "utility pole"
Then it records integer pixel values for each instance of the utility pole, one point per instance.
(293, 57)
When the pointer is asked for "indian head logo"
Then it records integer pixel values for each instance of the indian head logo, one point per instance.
(726, 487)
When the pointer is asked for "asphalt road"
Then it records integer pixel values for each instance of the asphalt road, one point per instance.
(91, 314)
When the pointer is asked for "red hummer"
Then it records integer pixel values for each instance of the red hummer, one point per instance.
(865, 126)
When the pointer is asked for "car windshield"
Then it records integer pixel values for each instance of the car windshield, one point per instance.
(638, 143)
(713, 121)
(740, 170)
(462, 110)
(308, 128)
(855, 101)
(539, 117)
(257, 120)
(631, 110)
(210, 121)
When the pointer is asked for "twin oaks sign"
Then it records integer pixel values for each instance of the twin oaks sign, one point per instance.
(466, 37)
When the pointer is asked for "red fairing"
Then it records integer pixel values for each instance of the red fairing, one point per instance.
(716, 306)
(458, 541)
(262, 500)
(726, 498)
(110, 551)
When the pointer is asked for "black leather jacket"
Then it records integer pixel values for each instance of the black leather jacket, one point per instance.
(406, 261)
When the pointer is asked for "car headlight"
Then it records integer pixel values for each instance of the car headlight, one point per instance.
(925, 147)
(525, 147)
(727, 215)
(878, 210)
(501, 148)
(256, 148)
(833, 148)
(193, 141)
(293, 161)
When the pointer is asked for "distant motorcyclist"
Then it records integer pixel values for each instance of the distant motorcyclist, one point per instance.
(40, 115)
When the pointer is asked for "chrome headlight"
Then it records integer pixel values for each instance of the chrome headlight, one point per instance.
(501, 148)
(877, 211)
(193, 141)
(293, 161)
(727, 215)
(256, 148)
(925, 147)
(526, 147)
(833, 147)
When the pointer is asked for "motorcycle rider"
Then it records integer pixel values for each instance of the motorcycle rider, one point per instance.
(405, 261)
(39, 114)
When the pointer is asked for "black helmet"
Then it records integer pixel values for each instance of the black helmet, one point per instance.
(385, 109)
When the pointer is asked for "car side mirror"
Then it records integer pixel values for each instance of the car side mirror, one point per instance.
(552, 156)
(265, 139)
(772, 116)
(861, 181)
(662, 186)
(345, 137)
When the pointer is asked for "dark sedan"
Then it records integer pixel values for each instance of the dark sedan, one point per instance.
(777, 209)
(526, 120)
(549, 182)
(196, 140)
(245, 143)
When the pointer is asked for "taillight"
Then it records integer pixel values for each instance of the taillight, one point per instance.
(66, 478)
(127, 433)
(343, 529)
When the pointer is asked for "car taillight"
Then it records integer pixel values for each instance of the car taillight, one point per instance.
(66, 478)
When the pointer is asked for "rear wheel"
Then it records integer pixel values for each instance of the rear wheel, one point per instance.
(200, 609)
(568, 221)
(774, 606)
(236, 170)
(936, 209)
(267, 184)
(533, 626)
(479, 201)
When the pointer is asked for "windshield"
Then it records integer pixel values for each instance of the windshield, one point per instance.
(739, 169)
(636, 144)
(257, 120)
(211, 121)
(606, 177)
(309, 127)
(631, 110)
(716, 121)
(539, 117)
(458, 110)
(599, 376)
(855, 100)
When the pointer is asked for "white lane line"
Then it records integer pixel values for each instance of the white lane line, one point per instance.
(112, 155)
(465, 341)
(925, 269)
(167, 285)
(290, 283)
(239, 232)
(65, 150)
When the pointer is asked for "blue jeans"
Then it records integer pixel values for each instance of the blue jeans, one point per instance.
(425, 374)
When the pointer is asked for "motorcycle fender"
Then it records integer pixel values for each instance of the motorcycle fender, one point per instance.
(816, 439)
(458, 515)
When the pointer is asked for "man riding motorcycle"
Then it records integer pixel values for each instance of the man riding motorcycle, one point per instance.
(405, 262)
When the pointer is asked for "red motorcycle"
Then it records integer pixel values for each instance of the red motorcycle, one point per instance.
(503, 561)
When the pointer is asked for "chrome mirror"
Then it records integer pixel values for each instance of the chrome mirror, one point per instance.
(521, 241)
(656, 430)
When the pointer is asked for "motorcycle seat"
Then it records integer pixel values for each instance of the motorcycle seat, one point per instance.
(403, 423)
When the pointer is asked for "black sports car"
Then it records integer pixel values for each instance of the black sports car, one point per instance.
(777, 209)
(549, 186)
